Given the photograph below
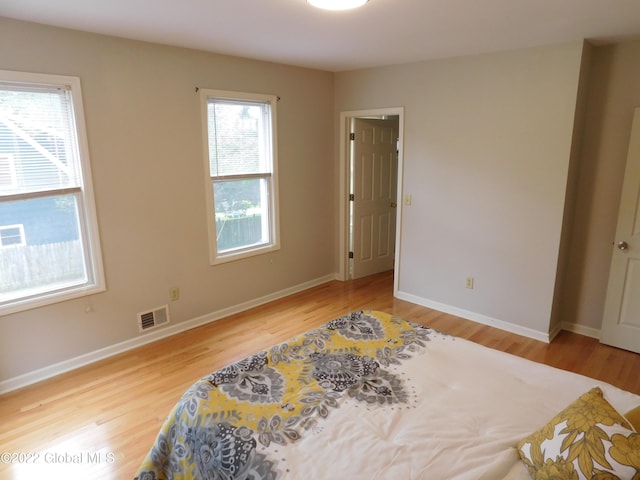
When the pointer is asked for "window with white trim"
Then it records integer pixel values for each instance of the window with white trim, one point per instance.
(12, 236)
(241, 169)
(46, 199)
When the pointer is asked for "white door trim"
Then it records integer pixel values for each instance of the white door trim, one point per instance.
(343, 202)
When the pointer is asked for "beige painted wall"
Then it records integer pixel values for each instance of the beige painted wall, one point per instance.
(614, 92)
(144, 132)
(487, 146)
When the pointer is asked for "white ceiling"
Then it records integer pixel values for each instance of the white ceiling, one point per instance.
(383, 32)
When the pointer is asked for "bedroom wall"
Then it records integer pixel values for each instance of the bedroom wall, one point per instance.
(487, 144)
(614, 92)
(144, 132)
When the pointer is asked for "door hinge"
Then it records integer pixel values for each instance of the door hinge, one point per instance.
(352, 136)
(352, 197)
(350, 254)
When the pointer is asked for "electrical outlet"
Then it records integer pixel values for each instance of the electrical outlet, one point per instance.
(469, 282)
(174, 294)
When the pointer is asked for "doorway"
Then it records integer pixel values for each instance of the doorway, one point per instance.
(371, 179)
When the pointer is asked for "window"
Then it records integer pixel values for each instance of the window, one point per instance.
(240, 154)
(49, 249)
(12, 236)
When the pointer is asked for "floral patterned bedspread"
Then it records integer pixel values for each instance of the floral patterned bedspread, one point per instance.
(367, 396)
(279, 395)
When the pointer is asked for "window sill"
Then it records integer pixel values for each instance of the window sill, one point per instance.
(242, 254)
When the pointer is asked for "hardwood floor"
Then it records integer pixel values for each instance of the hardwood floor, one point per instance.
(99, 421)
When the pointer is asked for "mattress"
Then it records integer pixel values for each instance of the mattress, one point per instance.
(366, 396)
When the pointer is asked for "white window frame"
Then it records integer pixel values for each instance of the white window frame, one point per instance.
(88, 221)
(216, 257)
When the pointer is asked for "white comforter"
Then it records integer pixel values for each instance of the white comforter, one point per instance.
(367, 396)
(472, 405)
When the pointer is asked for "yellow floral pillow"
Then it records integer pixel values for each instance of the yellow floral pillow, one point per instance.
(587, 440)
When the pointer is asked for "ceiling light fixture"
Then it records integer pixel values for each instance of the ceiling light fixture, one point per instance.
(337, 4)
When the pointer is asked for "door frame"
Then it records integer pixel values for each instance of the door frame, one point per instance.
(344, 181)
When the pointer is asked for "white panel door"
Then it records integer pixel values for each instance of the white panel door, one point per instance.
(375, 174)
(621, 322)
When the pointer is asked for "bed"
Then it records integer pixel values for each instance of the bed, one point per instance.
(372, 396)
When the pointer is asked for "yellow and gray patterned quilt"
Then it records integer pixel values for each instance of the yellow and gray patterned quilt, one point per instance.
(366, 396)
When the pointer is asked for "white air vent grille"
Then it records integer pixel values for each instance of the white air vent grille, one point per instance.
(153, 318)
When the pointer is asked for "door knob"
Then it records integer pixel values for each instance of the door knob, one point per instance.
(623, 245)
(394, 204)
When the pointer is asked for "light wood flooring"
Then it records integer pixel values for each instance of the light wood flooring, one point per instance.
(99, 421)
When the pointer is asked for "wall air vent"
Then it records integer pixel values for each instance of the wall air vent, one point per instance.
(153, 318)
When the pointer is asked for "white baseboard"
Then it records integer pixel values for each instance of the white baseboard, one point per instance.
(476, 317)
(91, 357)
(581, 330)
